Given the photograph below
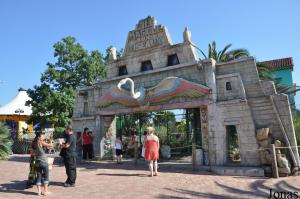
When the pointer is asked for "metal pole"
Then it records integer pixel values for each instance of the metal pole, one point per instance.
(135, 153)
(140, 131)
(274, 162)
(194, 156)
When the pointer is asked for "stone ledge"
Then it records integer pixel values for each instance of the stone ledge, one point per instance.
(84, 118)
(238, 171)
(167, 68)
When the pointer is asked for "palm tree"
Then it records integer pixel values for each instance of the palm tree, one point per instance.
(4, 141)
(224, 55)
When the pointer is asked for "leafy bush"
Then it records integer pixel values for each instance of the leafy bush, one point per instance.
(58, 132)
(297, 129)
(5, 141)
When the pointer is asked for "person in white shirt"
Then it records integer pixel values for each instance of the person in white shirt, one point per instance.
(118, 147)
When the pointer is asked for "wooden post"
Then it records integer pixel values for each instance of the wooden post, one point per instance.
(274, 162)
(135, 153)
(194, 156)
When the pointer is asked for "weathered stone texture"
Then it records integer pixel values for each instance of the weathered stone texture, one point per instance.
(247, 105)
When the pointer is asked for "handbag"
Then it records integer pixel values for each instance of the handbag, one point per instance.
(143, 152)
(50, 162)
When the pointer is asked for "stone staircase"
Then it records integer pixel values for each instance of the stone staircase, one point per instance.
(264, 115)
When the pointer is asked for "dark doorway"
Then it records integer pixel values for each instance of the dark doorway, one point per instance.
(233, 149)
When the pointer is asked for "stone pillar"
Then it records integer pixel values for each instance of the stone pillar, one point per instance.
(107, 135)
(97, 137)
(212, 115)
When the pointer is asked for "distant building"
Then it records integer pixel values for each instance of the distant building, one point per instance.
(282, 70)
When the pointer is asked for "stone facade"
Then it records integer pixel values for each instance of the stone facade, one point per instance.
(236, 95)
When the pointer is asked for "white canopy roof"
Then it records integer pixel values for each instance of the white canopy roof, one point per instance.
(17, 105)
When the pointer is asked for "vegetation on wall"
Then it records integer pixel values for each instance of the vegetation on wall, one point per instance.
(5, 141)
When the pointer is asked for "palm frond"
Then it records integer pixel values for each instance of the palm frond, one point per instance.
(222, 53)
(205, 57)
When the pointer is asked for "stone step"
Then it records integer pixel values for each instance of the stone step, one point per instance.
(263, 109)
(259, 100)
(260, 104)
(238, 171)
(262, 116)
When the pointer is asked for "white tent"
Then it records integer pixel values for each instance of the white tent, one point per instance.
(17, 105)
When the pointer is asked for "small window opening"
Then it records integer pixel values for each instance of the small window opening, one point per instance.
(228, 86)
(173, 60)
(233, 149)
(123, 71)
(85, 108)
(146, 65)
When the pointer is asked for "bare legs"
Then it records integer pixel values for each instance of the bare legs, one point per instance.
(119, 159)
(153, 167)
(39, 190)
(46, 192)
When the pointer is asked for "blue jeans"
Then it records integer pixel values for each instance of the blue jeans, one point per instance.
(42, 173)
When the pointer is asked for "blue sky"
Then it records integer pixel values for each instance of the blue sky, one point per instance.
(269, 29)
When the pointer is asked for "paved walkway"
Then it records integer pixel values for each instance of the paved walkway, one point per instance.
(108, 180)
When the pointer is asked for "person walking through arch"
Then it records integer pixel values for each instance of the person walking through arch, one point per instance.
(152, 150)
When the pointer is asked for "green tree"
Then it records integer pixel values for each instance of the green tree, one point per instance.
(52, 101)
(5, 141)
(224, 55)
(297, 125)
(162, 117)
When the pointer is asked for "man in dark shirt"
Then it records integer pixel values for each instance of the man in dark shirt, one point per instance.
(69, 156)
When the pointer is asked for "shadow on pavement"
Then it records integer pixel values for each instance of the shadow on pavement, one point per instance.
(258, 189)
(168, 167)
(19, 158)
(121, 174)
(16, 187)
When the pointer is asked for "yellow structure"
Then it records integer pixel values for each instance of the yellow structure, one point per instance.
(17, 113)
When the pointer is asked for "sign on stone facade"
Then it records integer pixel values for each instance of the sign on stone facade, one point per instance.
(146, 35)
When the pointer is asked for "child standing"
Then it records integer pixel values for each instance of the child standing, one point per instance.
(118, 147)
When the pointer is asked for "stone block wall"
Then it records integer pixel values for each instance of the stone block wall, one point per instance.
(237, 113)
(247, 69)
(185, 53)
(237, 90)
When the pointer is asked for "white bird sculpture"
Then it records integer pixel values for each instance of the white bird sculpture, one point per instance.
(140, 95)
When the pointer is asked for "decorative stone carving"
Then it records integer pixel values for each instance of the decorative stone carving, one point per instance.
(187, 36)
(112, 56)
(166, 90)
(264, 139)
(146, 35)
(282, 162)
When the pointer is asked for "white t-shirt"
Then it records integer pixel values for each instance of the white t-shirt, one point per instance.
(118, 145)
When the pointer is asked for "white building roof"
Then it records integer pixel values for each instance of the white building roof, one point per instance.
(17, 105)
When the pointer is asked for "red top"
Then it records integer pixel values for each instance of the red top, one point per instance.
(87, 138)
